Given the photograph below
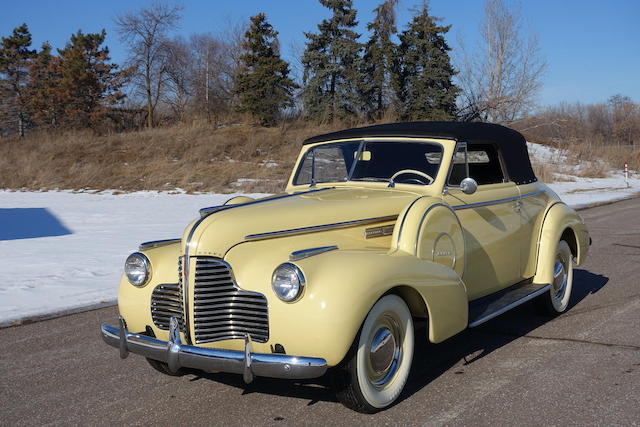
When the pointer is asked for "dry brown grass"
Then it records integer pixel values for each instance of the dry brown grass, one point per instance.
(193, 157)
(197, 157)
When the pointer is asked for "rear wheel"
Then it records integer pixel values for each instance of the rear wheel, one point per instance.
(557, 300)
(164, 368)
(376, 369)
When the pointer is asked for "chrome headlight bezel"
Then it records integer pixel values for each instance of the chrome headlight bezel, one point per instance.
(296, 287)
(136, 278)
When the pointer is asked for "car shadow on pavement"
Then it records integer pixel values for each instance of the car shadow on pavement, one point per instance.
(430, 360)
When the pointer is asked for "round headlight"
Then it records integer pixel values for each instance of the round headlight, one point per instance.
(287, 282)
(137, 268)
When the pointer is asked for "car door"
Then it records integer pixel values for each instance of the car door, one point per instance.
(489, 217)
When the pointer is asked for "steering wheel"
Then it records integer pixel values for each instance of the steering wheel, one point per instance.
(412, 171)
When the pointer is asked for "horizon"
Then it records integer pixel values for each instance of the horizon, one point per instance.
(566, 40)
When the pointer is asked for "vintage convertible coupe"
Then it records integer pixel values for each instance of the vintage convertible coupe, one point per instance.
(378, 227)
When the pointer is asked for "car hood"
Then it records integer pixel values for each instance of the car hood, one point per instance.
(218, 232)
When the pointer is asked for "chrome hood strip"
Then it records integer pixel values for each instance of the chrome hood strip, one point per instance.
(157, 244)
(306, 253)
(318, 228)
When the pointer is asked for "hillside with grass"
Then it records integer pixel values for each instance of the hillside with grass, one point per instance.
(198, 157)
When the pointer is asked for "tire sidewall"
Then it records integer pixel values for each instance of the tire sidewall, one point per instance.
(561, 306)
(382, 398)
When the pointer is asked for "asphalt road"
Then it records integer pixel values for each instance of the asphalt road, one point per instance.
(580, 368)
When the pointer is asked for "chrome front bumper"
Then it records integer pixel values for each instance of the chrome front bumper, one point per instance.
(177, 355)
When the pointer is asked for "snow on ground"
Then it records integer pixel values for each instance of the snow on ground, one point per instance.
(580, 191)
(62, 250)
(587, 191)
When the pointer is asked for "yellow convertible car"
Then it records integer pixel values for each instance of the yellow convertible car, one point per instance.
(378, 227)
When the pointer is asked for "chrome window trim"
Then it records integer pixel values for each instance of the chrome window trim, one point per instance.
(157, 244)
(187, 252)
(306, 253)
(459, 144)
(317, 228)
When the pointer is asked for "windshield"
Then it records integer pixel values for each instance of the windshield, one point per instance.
(370, 161)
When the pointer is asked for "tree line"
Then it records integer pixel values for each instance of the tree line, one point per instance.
(393, 75)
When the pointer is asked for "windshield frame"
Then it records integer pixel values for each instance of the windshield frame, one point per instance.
(361, 145)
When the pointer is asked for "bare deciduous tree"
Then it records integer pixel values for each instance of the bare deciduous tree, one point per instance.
(216, 60)
(501, 77)
(179, 75)
(145, 31)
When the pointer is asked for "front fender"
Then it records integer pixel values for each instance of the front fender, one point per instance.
(560, 220)
(134, 302)
(341, 287)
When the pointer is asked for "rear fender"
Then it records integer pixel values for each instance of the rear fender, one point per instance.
(560, 222)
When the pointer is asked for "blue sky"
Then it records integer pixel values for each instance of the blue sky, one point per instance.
(592, 48)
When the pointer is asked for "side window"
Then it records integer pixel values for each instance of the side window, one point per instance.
(484, 165)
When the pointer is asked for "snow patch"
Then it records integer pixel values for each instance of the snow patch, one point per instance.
(55, 271)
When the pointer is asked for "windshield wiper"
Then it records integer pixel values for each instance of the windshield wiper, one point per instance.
(370, 178)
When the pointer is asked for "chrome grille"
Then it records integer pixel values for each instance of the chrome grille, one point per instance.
(166, 302)
(223, 311)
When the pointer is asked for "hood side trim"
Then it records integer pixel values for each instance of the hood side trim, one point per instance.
(318, 228)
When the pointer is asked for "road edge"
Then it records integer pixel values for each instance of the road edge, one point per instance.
(27, 320)
(583, 206)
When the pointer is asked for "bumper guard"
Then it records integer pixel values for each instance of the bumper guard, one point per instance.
(177, 355)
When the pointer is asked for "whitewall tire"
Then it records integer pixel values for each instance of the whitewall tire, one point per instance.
(376, 370)
(557, 300)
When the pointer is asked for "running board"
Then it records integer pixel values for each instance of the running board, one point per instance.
(490, 306)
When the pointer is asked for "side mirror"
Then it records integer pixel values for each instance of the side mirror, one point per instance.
(468, 186)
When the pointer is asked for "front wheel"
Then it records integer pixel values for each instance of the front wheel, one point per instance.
(376, 369)
(557, 300)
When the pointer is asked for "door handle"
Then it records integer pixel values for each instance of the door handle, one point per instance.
(517, 205)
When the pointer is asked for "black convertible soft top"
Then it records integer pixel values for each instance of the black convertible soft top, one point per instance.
(511, 142)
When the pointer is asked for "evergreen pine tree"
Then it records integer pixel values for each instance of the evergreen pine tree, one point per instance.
(87, 84)
(262, 83)
(333, 79)
(380, 58)
(426, 90)
(40, 94)
(15, 56)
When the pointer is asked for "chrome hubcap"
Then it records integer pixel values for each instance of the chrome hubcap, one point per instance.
(384, 351)
(559, 278)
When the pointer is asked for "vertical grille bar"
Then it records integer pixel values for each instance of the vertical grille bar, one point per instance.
(222, 310)
(166, 302)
